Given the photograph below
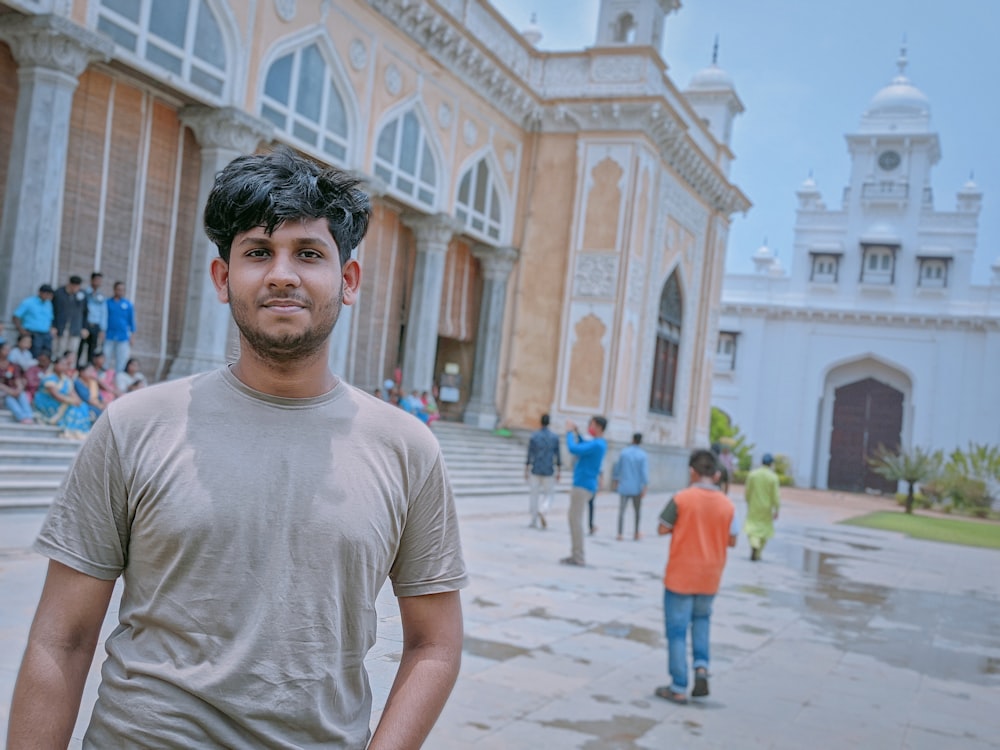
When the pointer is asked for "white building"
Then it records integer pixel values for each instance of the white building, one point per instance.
(876, 332)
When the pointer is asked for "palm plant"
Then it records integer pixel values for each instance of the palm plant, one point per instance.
(912, 467)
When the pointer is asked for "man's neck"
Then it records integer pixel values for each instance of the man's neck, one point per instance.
(301, 378)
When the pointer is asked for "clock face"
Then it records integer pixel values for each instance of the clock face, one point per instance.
(888, 160)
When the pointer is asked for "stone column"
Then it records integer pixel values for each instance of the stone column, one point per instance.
(223, 135)
(51, 52)
(433, 233)
(496, 264)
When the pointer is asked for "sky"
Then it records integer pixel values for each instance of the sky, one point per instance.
(805, 71)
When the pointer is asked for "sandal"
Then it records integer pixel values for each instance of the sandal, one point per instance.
(666, 693)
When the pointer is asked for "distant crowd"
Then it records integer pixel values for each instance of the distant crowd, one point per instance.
(70, 356)
(422, 405)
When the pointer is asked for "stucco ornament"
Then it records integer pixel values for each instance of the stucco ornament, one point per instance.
(509, 160)
(470, 132)
(393, 79)
(358, 54)
(285, 9)
(595, 276)
(444, 115)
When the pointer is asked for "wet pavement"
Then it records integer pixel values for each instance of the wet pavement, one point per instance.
(839, 637)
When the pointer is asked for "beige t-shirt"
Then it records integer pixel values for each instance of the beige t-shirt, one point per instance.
(253, 534)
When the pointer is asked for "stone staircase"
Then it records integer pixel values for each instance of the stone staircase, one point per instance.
(34, 459)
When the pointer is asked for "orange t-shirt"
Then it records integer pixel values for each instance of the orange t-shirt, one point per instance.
(699, 540)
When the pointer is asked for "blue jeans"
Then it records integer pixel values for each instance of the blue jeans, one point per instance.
(683, 611)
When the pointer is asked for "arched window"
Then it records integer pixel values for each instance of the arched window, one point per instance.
(182, 37)
(668, 344)
(478, 204)
(301, 99)
(403, 158)
(625, 29)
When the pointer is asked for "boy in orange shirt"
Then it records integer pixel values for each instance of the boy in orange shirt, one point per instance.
(701, 520)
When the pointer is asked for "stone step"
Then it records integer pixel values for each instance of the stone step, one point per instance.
(32, 473)
(10, 428)
(47, 457)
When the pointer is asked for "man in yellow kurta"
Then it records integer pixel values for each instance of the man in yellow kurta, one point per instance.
(762, 505)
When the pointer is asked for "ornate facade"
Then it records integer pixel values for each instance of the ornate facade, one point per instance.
(530, 207)
(877, 334)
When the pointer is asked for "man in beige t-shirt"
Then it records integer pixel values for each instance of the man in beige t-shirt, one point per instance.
(254, 513)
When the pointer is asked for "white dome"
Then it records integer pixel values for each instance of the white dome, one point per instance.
(900, 98)
(712, 78)
(808, 186)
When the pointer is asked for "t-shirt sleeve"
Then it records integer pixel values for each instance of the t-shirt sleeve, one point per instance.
(87, 525)
(429, 559)
(668, 515)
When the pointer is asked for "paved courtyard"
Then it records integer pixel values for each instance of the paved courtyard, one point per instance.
(840, 637)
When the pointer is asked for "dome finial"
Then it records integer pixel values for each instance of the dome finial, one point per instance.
(901, 61)
(715, 51)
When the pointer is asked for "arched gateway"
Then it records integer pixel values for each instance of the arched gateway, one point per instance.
(866, 414)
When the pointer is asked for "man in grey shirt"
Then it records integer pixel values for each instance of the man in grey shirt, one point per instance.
(254, 512)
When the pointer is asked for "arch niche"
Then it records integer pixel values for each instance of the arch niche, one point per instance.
(866, 403)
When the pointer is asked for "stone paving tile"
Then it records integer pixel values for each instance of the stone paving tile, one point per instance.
(840, 637)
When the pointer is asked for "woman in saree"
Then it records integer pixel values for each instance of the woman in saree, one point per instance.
(57, 403)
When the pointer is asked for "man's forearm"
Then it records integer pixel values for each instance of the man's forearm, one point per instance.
(423, 683)
(47, 695)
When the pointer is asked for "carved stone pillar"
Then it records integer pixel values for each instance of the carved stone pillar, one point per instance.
(433, 233)
(51, 52)
(496, 264)
(223, 135)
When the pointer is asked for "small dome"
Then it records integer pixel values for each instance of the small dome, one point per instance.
(970, 186)
(712, 78)
(763, 253)
(900, 98)
(532, 32)
(808, 185)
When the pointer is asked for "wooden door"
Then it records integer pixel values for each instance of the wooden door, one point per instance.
(866, 414)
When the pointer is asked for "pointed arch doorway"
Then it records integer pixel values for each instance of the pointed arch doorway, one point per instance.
(866, 414)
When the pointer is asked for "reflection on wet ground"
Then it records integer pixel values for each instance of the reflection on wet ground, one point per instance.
(620, 732)
(938, 634)
(630, 632)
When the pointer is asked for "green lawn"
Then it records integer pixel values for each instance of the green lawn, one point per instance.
(953, 531)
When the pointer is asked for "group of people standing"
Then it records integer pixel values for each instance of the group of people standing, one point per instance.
(83, 327)
(701, 520)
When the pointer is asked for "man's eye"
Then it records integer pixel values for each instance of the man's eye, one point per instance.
(258, 252)
(310, 254)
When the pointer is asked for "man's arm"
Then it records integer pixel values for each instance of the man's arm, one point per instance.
(57, 659)
(432, 654)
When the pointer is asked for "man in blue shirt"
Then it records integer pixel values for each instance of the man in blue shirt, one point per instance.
(95, 320)
(35, 316)
(586, 479)
(545, 464)
(121, 326)
(629, 476)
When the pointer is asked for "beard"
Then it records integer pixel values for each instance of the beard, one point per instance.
(285, 347)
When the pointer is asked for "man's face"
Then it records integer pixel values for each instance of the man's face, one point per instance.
(72, 288)
(95, 283)
(119, 290)
(286, 290)
(46, 296)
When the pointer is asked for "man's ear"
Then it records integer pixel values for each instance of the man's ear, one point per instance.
(352, 281)
(220, 277)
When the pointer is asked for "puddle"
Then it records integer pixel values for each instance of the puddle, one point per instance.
(904, 628)
(617, 733)
(753, 590)
(494, 650)
(543, 614)
(644, 636)
(753, 630)
(480, 602)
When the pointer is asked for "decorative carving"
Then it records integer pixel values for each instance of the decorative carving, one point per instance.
(444, 115)
(358, 54)
(285, 9)
(469, 133)
(228, 128)
(393, 79)
(509, 160)
(496, 262)
(616, 69)
(586, 362)
(53, 42)
(432, 232)
(595, 275)
(637, 274)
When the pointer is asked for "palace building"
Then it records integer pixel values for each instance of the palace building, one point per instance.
(549, 228)
(877, 334)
